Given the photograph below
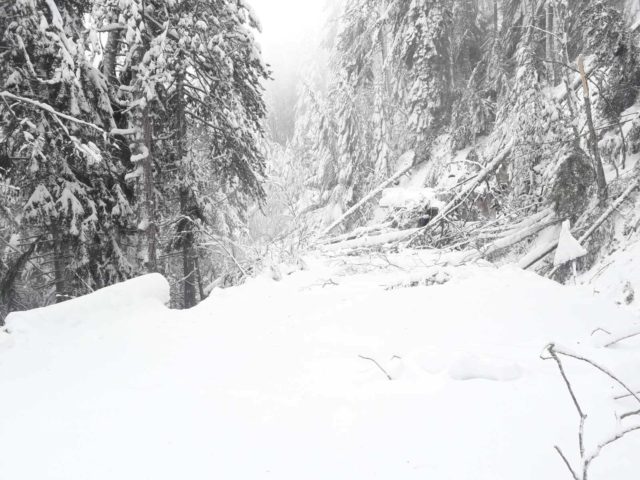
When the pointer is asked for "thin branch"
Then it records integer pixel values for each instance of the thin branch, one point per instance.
(51, 110)
(566, 462)
(583, 416)
(602, 369)
(377, 365)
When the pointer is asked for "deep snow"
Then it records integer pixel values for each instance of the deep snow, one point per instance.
(267, 380)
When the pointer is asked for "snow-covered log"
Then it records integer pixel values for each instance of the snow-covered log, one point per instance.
(373, 241)
(368, 198)
(461, 196)
(531, 259)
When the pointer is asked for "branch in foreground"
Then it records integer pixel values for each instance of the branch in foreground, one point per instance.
(377, 365)
(586, 460)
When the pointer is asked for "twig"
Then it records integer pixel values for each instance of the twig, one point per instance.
(603, 445)
(602, 369)
(622, 339)
(554, 355)
(377, 365)
(566, 462)
(599, 329)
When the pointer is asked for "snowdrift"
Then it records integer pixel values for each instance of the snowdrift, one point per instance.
(141, 290)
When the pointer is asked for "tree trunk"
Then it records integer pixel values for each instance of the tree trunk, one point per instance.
(200, 282)
(110, 54)
(549, 44)
(62, 295)
(149, 193)
(188, 263)
(186, 208)
(593, 137)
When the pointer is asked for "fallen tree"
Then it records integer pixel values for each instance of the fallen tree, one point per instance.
(369, 197)
(528, 261)
(461, 196)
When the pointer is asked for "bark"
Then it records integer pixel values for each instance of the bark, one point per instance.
(187, 234)
(549, 44)
(110, 54)
(149, 193)
(188, 262)
(593, 136)
(59, 270)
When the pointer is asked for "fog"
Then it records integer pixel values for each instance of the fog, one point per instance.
(291, 33)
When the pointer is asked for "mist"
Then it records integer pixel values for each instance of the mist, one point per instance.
(290, 38)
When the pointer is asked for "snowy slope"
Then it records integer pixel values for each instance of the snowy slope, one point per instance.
(267, 380)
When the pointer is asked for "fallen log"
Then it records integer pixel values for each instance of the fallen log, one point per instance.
(373, 241)
(527, 263)
(369, 197)
(461, 196)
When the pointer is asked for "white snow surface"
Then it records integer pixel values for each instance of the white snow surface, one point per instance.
(268, 380)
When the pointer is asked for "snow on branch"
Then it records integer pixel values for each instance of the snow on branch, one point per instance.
(586, 459)
(49, 109)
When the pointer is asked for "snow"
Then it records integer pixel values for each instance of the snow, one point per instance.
(617, 277)
(568, 247)
(409, 198)
(267, 380)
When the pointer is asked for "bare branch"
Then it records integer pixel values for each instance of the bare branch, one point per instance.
(566, 462)
(377, 365)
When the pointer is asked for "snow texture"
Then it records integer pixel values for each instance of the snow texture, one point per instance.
(268, 380)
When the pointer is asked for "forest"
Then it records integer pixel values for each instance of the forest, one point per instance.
(403, 244)
(135, 136)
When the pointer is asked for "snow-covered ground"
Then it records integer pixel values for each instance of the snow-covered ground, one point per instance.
(278, 379)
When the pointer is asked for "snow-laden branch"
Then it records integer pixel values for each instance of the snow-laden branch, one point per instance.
(586, 458)
(49, 109)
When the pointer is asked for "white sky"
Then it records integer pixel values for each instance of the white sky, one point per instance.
(288, 26)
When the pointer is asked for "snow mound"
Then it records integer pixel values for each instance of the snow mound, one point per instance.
(471, 367)
(153, 287)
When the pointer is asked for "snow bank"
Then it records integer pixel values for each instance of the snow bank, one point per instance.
(153, 287)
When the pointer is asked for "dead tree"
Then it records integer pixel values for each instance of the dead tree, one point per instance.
(593, 137)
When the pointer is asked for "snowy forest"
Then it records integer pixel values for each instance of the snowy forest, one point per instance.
(429, 193)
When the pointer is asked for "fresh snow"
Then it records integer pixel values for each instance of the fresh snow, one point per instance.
(288, 379)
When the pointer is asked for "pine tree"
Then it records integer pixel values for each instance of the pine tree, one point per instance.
(56, 121)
